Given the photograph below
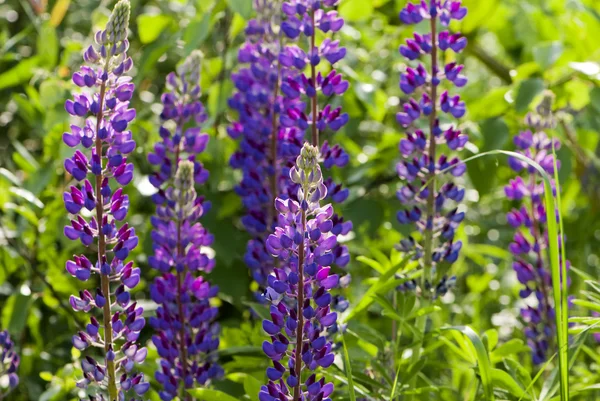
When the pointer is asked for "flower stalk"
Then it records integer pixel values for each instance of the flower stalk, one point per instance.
(186, 332)
(102, 106)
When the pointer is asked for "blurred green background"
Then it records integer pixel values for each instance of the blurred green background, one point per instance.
(517, 48)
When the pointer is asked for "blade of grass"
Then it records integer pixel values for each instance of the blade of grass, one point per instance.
(559, 279)
(348, 370)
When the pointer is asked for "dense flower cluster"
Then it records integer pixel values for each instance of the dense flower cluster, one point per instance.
(298, 289)
(303, 19)
(531, 236)
(9, 363)
(186, 332)
(103, 106)
(432, 208)
(267, 148)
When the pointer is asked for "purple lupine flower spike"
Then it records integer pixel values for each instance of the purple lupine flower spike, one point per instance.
(103, 114)
(305, 19)
(268, 146)
(427, 118)
(531, 236)
(299, 289)
(9, 364)
(185, 324)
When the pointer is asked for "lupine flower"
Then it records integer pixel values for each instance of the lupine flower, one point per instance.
(9, 364)
(304, 19)
(430, 199)
(298, 289)
(186, 332)
(102, 109)
(530, 241)
(268, 148)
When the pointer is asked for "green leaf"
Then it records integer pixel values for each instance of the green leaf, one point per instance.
(196, 32)
(239, 351)
(252, 387)
(19, 73)
(218, 94)
(520, 373)
(356, 10)
(503, 380)
(242, 7)
(24, 159)
(238, 23)
(512, 347)
(23, 211)
(47, 45)
(495, 135)
(151, 26)
(483, 360)
(546, 54)
(9, 176)
(371, 263)
(479, 13)
(490, 339)
(492, 104)
(260, 309)
(368, 299)
(587, 304)
(388, 309)
(422, 311)
(21, 302)
(211, 395)
(251, 384)
(528, 90)
(26, 195)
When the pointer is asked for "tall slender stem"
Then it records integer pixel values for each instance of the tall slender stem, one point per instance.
(104, 278)
(428, 245)
(300, 328)
(182, 342)
(421, 322)
(180, 277)
(313, 77)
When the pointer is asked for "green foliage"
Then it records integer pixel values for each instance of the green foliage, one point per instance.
(472, 345)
